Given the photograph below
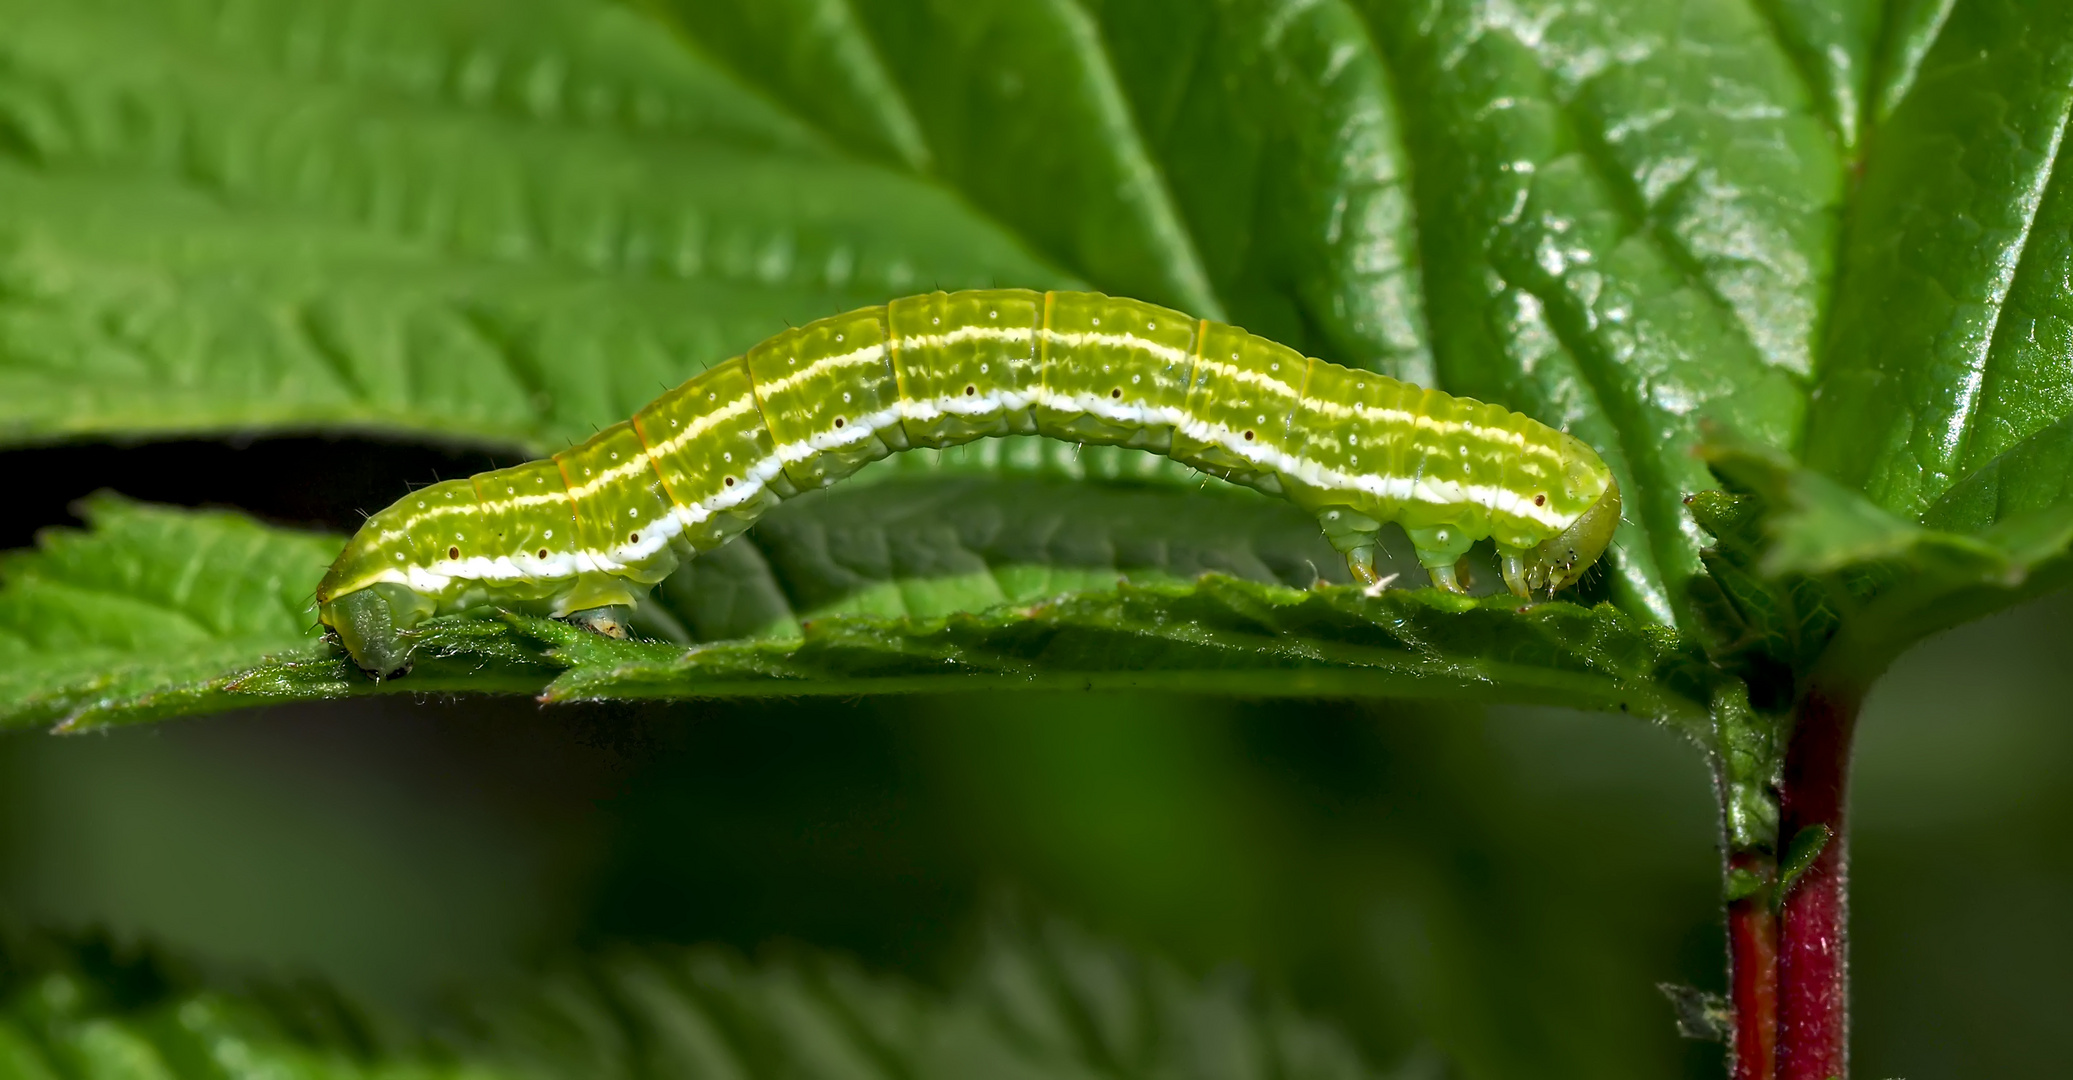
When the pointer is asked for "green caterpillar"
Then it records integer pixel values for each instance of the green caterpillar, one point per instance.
(595, 525)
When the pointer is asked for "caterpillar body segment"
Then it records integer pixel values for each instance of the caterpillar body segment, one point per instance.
(598, 524)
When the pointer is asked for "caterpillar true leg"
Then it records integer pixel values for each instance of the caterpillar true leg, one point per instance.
(1514, 563)
(601, 523)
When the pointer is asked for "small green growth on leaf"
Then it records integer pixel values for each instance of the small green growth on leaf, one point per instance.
(1806, 846)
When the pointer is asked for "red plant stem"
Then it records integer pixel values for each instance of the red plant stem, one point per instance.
(1753, 969)
(1813, 941)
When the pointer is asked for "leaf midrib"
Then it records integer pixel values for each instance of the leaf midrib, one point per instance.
(2012, 264)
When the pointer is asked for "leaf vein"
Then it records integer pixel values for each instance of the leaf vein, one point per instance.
(1639, 220)
(1965, 404)
(1166, 222)
(1806, 66)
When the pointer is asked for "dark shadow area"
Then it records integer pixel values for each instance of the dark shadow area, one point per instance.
(309, 482)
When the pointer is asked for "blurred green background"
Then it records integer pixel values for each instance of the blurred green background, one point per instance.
(1506, 886)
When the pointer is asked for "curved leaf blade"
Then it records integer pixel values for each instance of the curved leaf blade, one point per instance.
(1835, 44)
(1946, 335)
(389, 216)
(2033, 476)
(149, 608)
(1240, 162)
(1218, 635)
(229, 646)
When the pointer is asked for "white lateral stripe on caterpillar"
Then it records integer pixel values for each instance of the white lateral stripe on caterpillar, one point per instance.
(1258, 452)
(756, 476)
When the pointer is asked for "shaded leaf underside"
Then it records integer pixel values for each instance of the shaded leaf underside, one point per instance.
(1098, 610)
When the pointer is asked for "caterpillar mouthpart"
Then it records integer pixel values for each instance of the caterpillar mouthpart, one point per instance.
(1556, 563)
(365, 624)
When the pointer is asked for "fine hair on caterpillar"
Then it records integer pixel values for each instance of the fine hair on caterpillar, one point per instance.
(597, 525)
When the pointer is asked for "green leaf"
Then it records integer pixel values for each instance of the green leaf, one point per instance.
(876, 611)
(1832, 43)
(80, 1008)
(1744, 611)
(423, 217)
(1038, 1001)
(1241, 162)
(1949, 333)
(2034, 476)
(1749, 749)
(1806, 846)
(151, 609)
(1864, 583)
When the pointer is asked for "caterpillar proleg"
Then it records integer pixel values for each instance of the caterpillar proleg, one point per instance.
(598, 524)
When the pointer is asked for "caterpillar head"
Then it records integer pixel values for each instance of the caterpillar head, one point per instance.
(365, 624)
(1555, 564)
(369, 618)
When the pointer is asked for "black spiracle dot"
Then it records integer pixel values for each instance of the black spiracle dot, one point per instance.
(633, 538)
(970, 390)
(543, 553)
(730, 481)
(1540, 500)
(838, 421)
(1116, 393)
(1248, 436)
(453, 553)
